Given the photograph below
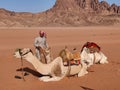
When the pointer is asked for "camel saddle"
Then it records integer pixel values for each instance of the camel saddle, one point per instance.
(74, 61)
(93, 47)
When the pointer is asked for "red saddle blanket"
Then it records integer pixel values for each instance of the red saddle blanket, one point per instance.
(93, 47)
(71, 62)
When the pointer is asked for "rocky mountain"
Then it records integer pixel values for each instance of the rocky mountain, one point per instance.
(65, 13)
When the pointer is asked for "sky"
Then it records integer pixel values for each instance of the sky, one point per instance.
(34, 6)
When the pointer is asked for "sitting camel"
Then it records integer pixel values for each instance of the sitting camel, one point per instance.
(91, 53)
(51, 68)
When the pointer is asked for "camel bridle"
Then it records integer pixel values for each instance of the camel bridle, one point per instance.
(21, 54)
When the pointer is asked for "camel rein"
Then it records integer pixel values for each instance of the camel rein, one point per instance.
(22, 62)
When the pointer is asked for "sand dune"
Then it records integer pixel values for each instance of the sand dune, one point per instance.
(100, 77)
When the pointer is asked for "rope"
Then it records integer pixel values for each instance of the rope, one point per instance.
(22, 69)
(69, 68)
(43, 52)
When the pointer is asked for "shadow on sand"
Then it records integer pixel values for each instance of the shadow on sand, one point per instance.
(86, 88)
(28, 70)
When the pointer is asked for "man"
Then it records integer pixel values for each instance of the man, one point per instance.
(40, 44)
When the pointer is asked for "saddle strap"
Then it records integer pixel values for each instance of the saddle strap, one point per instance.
(71, 62)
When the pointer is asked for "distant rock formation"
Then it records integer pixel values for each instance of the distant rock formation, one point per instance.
(65, 13)
(95, 5)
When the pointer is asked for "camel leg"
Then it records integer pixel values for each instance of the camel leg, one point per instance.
(48, 78)
(54, 78)
(44, 78)
(83, 71)
(103, 58)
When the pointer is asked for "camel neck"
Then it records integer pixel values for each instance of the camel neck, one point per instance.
(40, 67)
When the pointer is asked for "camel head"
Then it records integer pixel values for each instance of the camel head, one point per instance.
(21, 53)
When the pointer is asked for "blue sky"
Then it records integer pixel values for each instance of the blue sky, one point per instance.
(34, 5)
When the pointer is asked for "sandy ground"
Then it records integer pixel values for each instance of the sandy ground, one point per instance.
(100, 77)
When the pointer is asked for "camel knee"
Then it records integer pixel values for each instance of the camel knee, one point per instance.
(82, 72)
(103, 61)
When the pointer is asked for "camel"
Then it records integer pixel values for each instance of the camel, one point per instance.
(91, 54)
(49, 70)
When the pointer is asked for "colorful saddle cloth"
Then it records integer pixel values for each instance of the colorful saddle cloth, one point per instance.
(93, 47)
(74, 61)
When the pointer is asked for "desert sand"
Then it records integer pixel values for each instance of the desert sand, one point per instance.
(100, 77)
